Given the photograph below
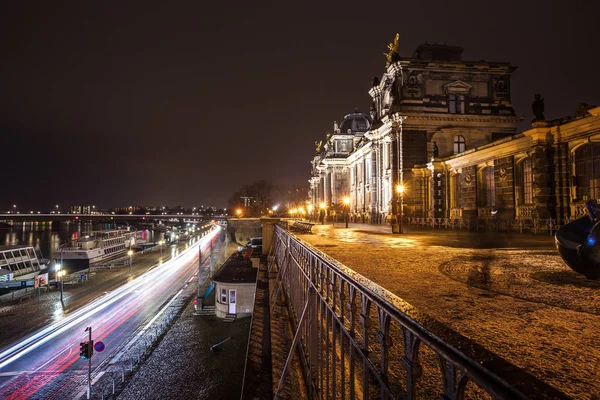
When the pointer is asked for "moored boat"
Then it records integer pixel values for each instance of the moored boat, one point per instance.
(97, 246)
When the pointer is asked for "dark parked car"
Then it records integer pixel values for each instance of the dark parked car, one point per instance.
(255, 244)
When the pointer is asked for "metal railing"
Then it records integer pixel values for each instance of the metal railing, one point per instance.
(356, 339)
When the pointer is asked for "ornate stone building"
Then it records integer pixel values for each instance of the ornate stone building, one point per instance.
(444, 129)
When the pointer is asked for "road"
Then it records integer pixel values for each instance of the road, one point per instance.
(46, 364)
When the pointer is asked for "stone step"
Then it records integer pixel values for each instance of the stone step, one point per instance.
(207, 310)
(229, 318)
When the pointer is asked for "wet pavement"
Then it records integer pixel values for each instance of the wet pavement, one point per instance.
(183, 367)
(509, 292)
(22, 317)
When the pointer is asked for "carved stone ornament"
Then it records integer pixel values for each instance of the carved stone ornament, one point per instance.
(414, 80)
(501, 86)
(468, 179)
(502, 173)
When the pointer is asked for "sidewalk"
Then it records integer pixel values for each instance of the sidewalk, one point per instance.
(510, 292)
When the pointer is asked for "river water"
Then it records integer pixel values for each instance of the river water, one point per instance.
(48, 236)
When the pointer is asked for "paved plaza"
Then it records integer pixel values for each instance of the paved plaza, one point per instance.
(510, 293)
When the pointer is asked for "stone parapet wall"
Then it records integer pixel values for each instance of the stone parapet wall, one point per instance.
(240, 230)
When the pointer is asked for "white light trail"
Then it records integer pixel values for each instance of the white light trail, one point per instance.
(162, 271)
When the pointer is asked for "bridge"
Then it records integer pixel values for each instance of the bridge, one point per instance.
(13, 217)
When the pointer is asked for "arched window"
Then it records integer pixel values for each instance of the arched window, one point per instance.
(587, 171)
(459, 144)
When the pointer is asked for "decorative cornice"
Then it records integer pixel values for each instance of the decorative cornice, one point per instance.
(463, 118)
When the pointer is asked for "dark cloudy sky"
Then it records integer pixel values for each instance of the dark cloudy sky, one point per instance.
(117, 103)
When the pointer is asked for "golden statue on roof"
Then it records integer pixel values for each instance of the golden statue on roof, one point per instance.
(393, 47)
(318, 145)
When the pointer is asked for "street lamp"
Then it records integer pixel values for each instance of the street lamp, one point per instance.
(239, 212)
(57, 268)
(61, 273)
(400, 200)
(346, 207)
(323, 206)
(397, 124)
(310, 209)
(130, 254)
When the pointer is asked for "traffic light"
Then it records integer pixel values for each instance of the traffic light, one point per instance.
(86, 349)
(83, 350)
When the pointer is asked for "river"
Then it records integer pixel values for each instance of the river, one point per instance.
(48, 236)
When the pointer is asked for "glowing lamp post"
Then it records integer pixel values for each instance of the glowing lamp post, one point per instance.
(130, 254)
(310, 211)
(60, 275)
(239, 213)
(397, 126)
(323, 206)
(346, 208)
(400, 199)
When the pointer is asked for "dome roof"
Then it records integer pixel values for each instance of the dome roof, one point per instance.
(356, 122)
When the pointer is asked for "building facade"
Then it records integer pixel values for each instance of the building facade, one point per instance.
(444, 130)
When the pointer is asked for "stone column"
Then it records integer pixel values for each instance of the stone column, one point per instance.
(543, 176)
(373, 185)
(562, 168)
(333, 181)
(438, 190)
(326, 188)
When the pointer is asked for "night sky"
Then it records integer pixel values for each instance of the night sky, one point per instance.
(185, 103)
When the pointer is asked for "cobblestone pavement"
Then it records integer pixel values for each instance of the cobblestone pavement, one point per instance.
(510, 293)
(20, 318)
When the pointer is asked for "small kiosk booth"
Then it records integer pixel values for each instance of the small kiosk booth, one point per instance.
(235, 286)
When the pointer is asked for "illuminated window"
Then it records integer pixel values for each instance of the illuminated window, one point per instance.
(587, 172)
(527, 188)
(459, 144)
(487, 189)
(456, 192)
(456, 104)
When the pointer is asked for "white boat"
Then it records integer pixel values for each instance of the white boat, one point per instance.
(98, 246)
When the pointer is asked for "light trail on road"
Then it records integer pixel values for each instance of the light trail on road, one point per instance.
(44, 364)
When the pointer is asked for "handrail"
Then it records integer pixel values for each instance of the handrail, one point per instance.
(342, 322)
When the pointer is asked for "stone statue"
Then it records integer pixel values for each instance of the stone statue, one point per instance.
(336, 128)
(318, 145)
(538, 108)
(373, 112)
(436, 150)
